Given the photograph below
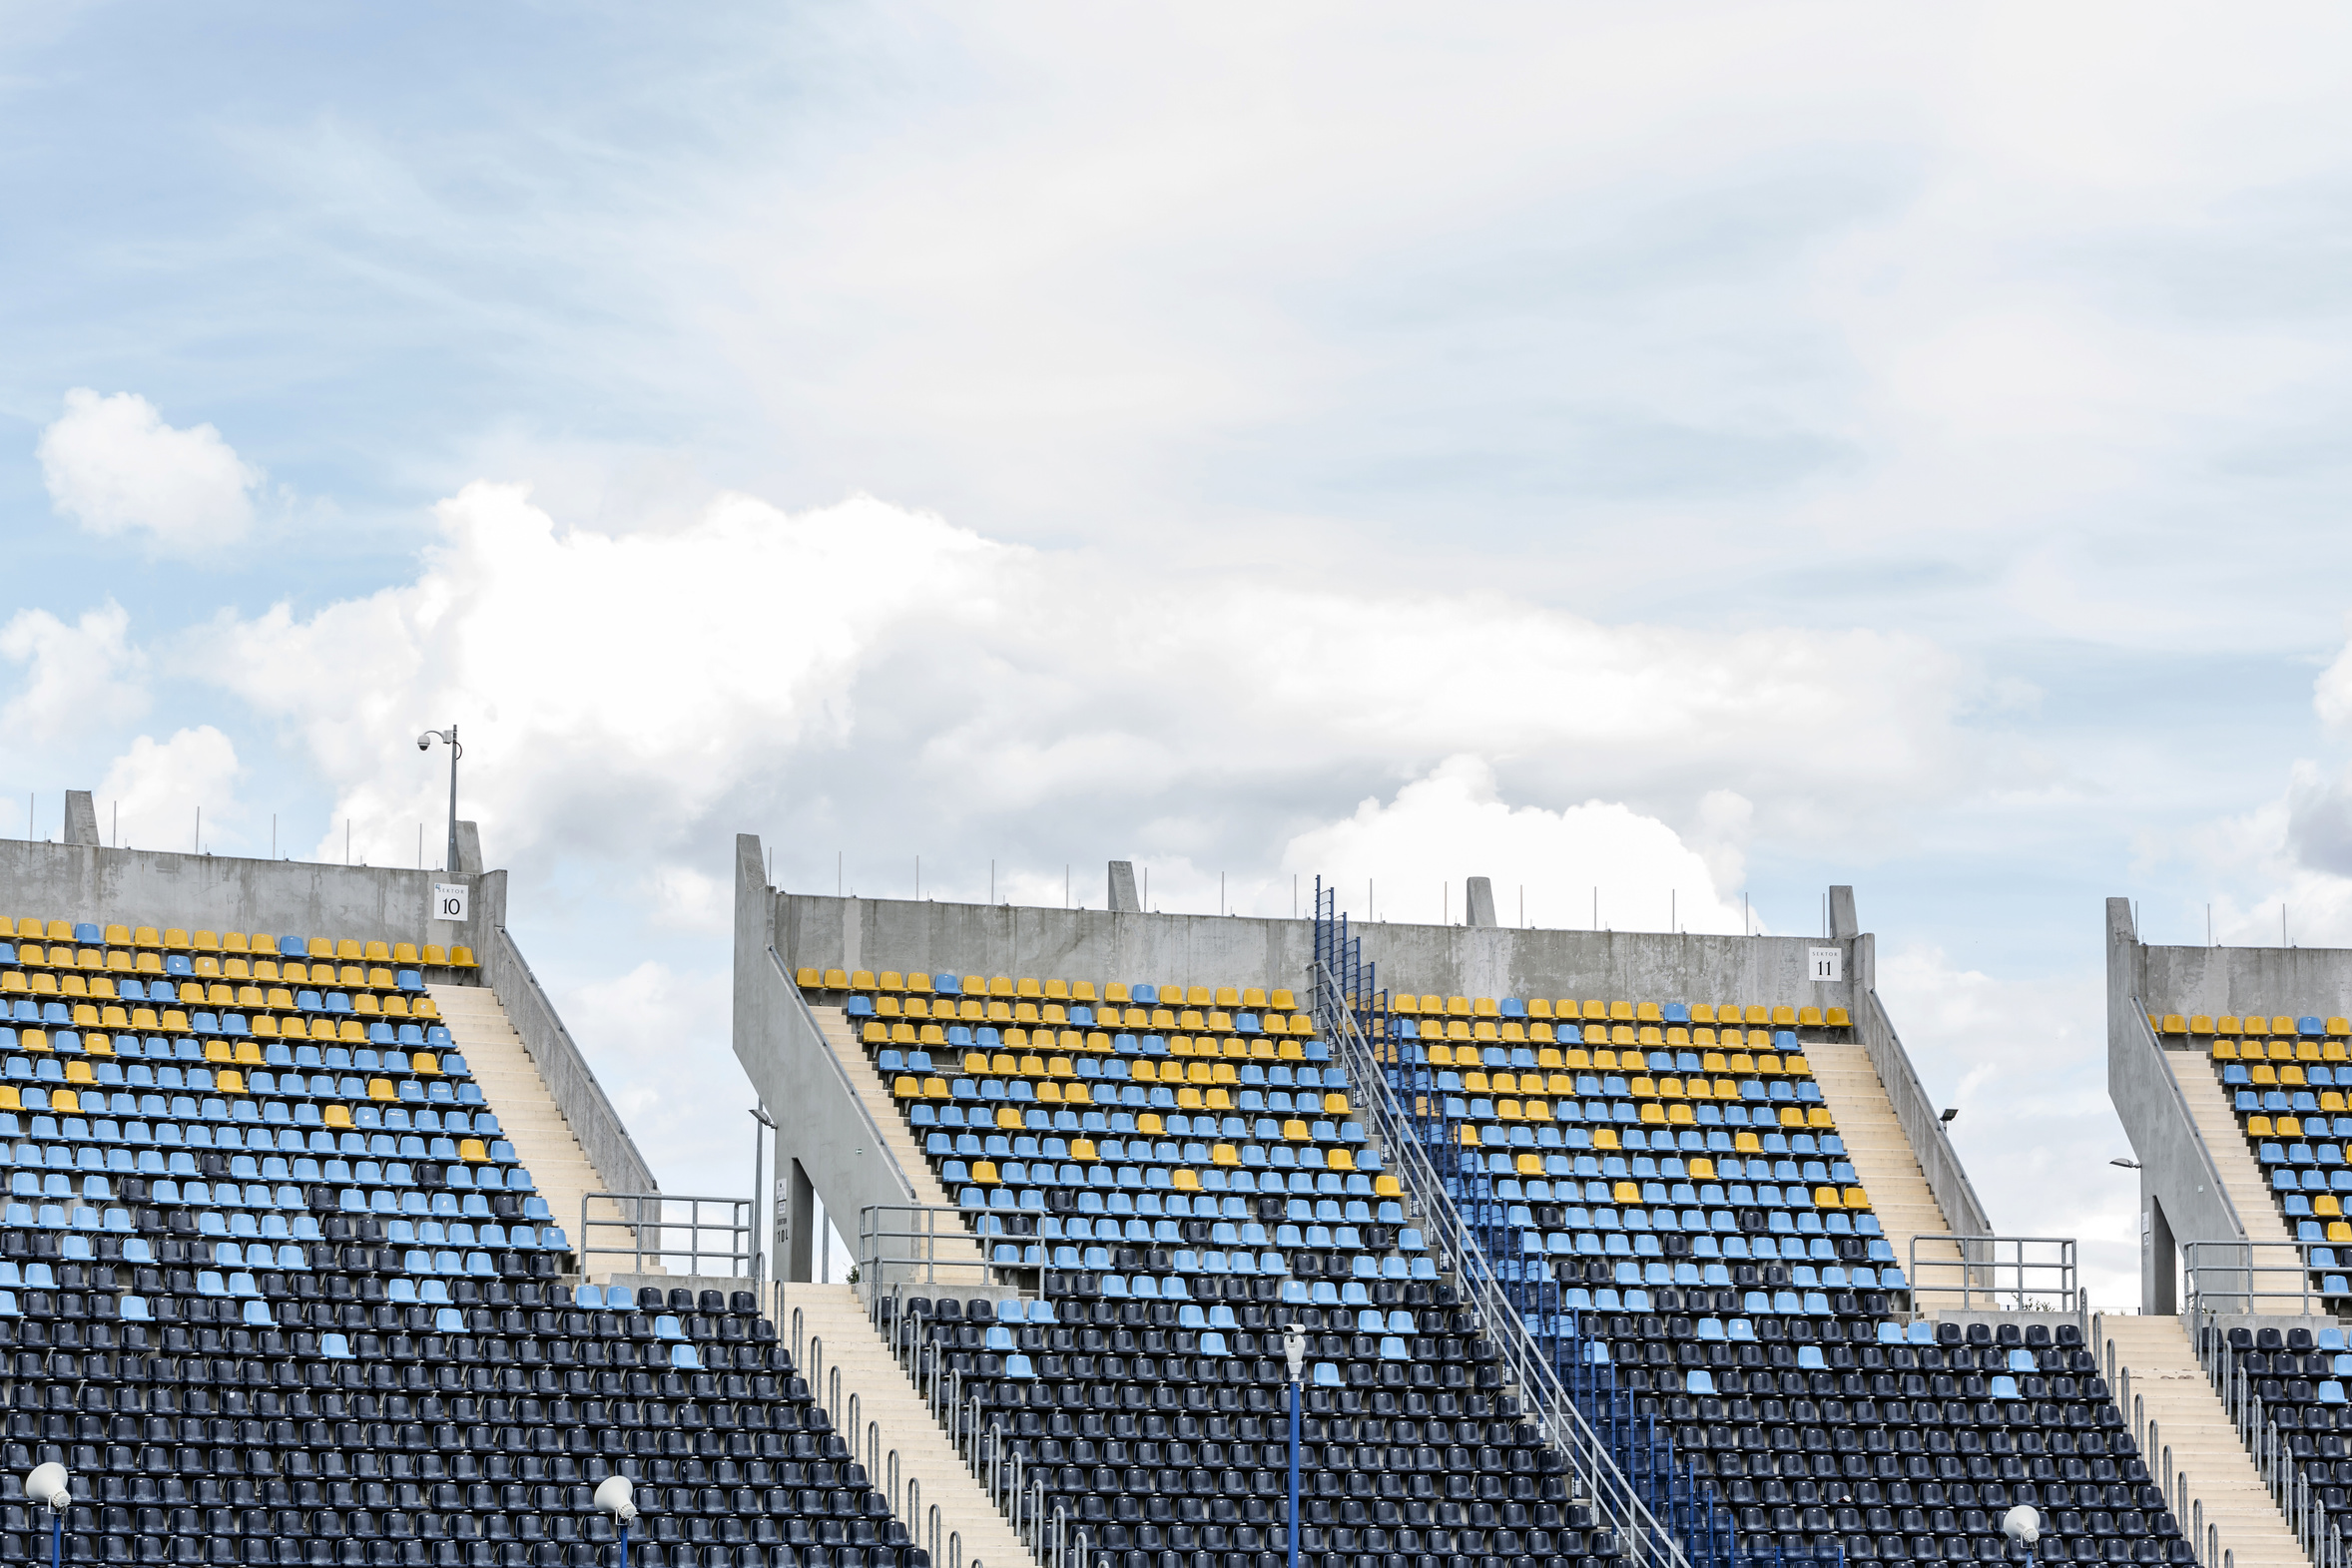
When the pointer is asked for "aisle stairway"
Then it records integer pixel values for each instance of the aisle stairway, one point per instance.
(874, 1093)
(543, 1140)
(2217, 1126)
(1881, 1155)
(888, 1399)
(2170, 1388)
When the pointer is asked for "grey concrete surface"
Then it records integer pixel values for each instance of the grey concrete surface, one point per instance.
(469, 849)
(820, 1124)
(1478, 902)
(821, 932)
(1122, 889)
(1842, 922)
(2181, 1198)
(570, 1081)
(81, 819)
(79, 882)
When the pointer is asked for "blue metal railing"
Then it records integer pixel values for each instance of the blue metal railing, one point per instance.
(1661, 1507)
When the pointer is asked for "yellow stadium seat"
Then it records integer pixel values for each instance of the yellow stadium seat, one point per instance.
(2225, 1050)
(1784, 1018)
(2173, 1024)
(2228, 1024)
(381, 1089)
(1836, 1018)
(461, 958)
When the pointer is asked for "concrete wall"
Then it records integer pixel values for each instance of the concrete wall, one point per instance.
(2181, 1193)
(2265, 980)
(824, 1137)
(820, 931)
(71, 882)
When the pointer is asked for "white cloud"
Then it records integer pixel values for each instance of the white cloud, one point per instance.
(85, 677)
(877, 678)
(160, 787)
(115, 467)
(1412, 856)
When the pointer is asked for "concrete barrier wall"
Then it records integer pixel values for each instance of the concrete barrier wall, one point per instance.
(71, 882)
(822, 1127)
(820, 931)
(2181, 1194)
(2240, 980)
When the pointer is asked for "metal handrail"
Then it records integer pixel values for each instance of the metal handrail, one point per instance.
(1982, 1259)
(2234, 1277)
(643, 1213)
(926, 1226)
(1641, 1536)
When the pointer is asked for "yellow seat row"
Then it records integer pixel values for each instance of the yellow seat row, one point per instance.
(1472, 1009)
(2279, 1051)
(1239, 1047)
(2229, 1024)
(1650, 1112)
(173, 939)
(975, 987)
(211, 984)
(1575, 1058)
(1512, 1032)
(1054, 1015)
(1186, 1180)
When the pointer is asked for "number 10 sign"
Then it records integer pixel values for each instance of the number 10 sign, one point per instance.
(449, 900)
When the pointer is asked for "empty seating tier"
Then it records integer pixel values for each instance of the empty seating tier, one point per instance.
(2287, 1079)
(275, 1290)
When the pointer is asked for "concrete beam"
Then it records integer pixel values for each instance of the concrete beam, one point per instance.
(2180, 1190)
(1842, 923)
(469, 849)
(1478, 902)
(832, 1144)
(1122, 889)
(81, 819)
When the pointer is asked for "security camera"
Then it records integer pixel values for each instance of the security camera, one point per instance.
(424, 742)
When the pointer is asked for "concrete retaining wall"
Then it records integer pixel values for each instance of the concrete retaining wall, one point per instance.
(71, 882)
(820, 931)
(822, 1127)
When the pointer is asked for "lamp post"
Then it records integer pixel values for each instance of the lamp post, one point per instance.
(758, 1175)
(617, 1496)
(1294, 1349)
(2024, 1526)
(424, 742)
(49, 1485)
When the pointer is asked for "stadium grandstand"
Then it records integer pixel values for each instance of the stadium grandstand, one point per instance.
(1181, 1241)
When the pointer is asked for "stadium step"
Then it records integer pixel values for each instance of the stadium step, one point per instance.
(2171, 1390)
(1881, 1153)
(874, 1094)
(527, 1114)
(2217, 1125)
(888, 1399)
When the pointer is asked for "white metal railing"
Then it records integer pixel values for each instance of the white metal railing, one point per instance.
(2271, 1278)
(656, 1230)
(2023, 1274)
(922, 1245)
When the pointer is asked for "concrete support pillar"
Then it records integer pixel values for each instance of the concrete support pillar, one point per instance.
(81, 818)
(1842, 923)
(2159, 1257)
(795, 1226)
(469, 849)
(1122, 893)
(1478, 902)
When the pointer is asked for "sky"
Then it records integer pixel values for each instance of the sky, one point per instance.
(1676, 458)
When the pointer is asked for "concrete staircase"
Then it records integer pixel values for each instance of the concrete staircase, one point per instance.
(2242, 1176)
(2170, 1390)
(1881, 1155)
(874, 1092)
(888, 1399)
(527, 1113)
